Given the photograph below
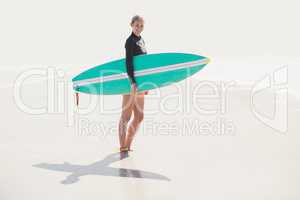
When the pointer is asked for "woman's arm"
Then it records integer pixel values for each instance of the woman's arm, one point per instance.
(129, 60)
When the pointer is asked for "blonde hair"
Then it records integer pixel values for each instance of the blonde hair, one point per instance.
(136, 18)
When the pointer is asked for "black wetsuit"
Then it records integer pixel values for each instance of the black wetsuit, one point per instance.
(135, 45)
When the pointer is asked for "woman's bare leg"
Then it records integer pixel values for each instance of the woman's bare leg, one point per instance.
(127, 108)
(138, 111)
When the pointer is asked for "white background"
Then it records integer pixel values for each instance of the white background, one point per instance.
(245, 40)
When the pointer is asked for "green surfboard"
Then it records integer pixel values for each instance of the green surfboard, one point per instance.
(150, 70)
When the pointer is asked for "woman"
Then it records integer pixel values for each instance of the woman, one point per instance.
(133, 102)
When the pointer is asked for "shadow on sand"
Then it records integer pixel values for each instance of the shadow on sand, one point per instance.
(100, 168)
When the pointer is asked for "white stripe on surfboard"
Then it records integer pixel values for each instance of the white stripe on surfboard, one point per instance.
(141, 72)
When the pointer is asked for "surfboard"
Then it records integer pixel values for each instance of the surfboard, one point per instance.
(150, 70)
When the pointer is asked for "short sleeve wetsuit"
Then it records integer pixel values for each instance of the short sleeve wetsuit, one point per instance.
(135, 45)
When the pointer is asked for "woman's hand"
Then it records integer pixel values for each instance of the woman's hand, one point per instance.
(133, 88)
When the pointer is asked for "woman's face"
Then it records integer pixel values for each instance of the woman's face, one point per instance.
(138, 26)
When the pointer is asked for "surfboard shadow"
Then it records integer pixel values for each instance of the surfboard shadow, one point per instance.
(100, 167)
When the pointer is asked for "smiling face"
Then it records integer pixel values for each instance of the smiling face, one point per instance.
(137, 26)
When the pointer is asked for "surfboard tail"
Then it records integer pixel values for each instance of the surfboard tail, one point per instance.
(77, 98)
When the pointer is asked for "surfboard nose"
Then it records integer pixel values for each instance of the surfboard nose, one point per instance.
(208, 60)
